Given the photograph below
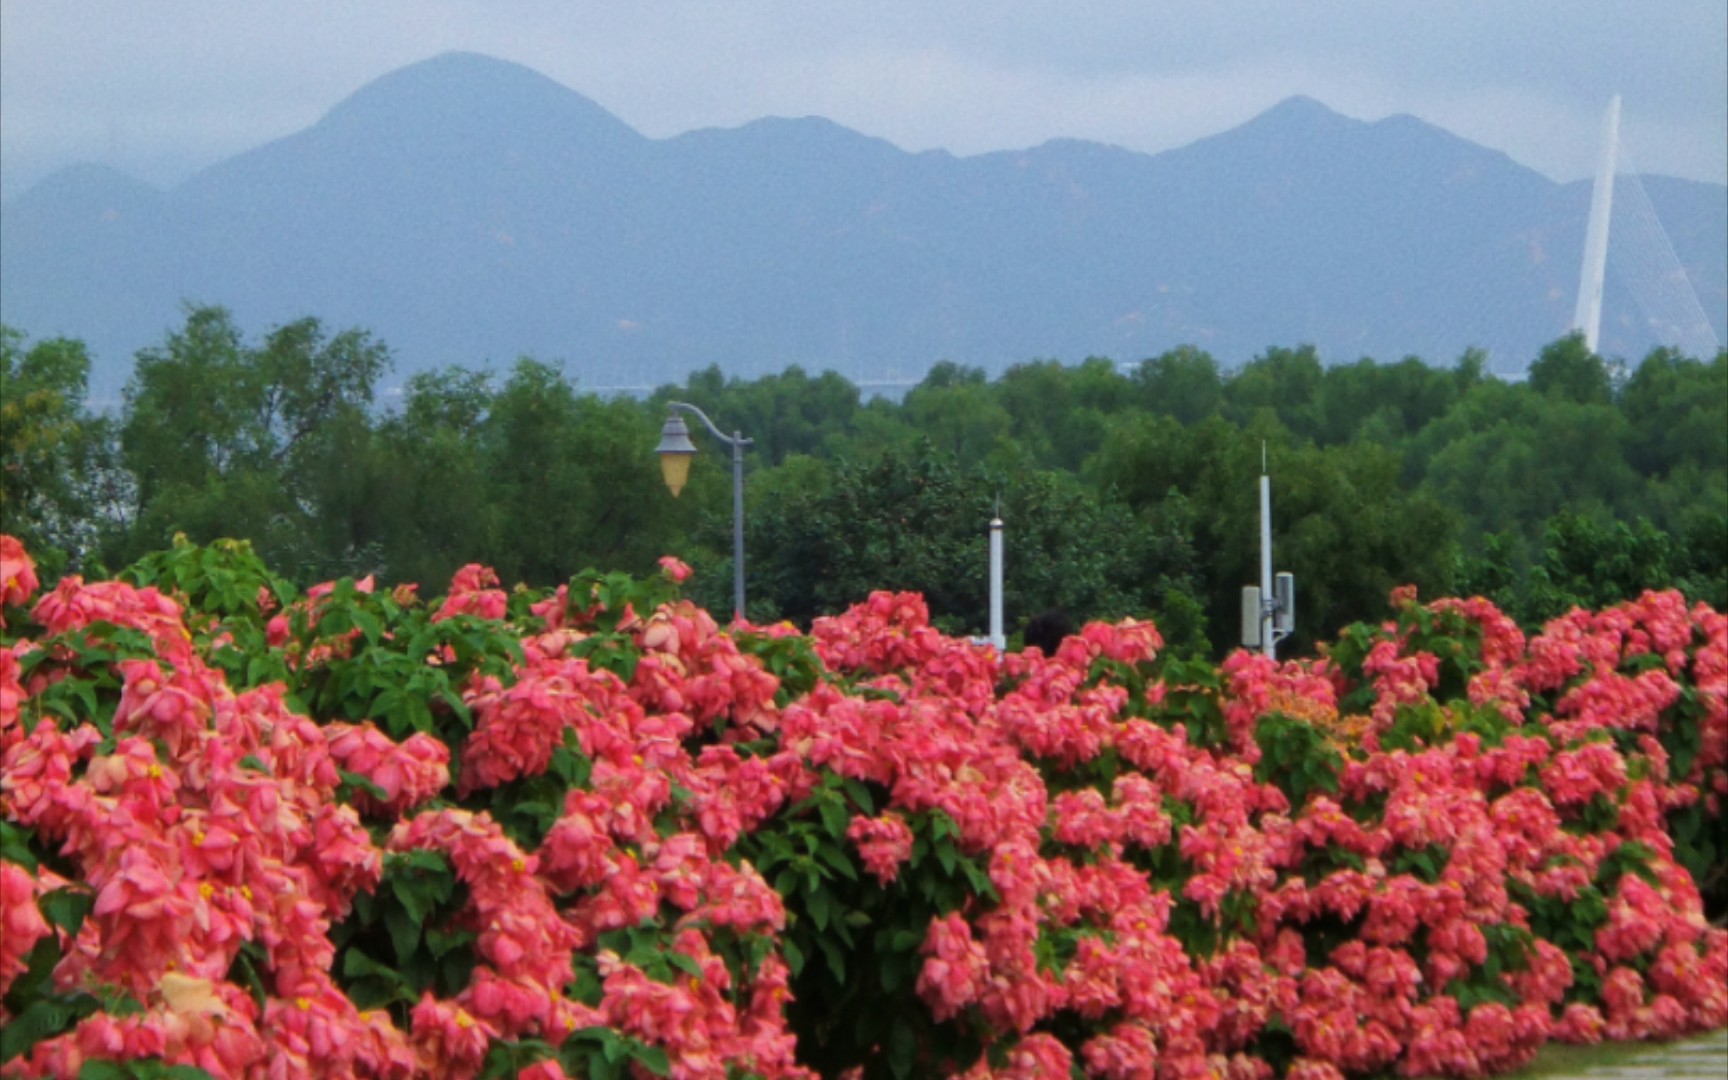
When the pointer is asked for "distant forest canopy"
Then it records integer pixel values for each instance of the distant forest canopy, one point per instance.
(1126, 491)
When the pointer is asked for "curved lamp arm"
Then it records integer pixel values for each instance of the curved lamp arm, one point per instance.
(736, 439)
(675, 441)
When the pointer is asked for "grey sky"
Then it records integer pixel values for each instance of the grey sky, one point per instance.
(161, 88)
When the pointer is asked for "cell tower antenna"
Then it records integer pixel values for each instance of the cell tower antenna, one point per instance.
(1588, 316)
(1269, 608)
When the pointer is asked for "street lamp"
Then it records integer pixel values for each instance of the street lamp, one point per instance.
(675, 452)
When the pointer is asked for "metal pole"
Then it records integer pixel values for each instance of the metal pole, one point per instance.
(738, 442)
(1268, 602)
(997, 638)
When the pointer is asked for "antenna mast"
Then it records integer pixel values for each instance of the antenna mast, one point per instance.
(1269, 608)
(997, 637)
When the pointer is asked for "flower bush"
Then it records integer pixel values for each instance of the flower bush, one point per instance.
(588, 832)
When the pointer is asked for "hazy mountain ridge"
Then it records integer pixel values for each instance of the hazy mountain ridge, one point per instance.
(469, 210)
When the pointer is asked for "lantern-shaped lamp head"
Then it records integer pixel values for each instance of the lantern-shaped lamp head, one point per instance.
(675, 452)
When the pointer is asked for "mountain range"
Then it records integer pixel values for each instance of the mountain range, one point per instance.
(468, 210)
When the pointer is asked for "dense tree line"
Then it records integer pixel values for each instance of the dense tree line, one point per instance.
(1127, 490)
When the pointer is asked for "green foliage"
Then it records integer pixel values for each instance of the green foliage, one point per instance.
(1568, 371)
(1297, 757)
(84, 685)
(36, 1010)
(405, 937)
(56, 461)
(1509, 949)
(377, 665)
(1193, 688)
(140, 1070)
(851, 942)
(1699, 847)
(917, 520)
(1126, 490)
(257, 441)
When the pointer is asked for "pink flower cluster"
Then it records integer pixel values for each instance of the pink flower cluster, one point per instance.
(1139, 901)
(1425, 876)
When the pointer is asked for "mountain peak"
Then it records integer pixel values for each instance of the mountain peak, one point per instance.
(90, 185)
(466, 90)
(1299, 112)
(1298, 122)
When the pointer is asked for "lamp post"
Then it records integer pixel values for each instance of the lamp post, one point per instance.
(675, 452)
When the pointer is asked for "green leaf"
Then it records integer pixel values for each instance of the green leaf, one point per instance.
(684, 963)
(902, 1047)
(444, 942)
(793, 954)
(42, 1019)
(817, 904)
(67, 907)
(355, 781)
(860, 795)
(835, 956)
(906, 940)
(947, 856)
(834, 817)
(404, 930)
(245, 970)
(652, 1058)
(838, 860)
(15, 845)
(357, 965)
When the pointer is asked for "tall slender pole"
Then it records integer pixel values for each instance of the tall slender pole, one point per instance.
(738, 442)
(1268, 602)
(1588, 315)
(997, 638)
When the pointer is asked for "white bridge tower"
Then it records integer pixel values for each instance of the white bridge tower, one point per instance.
(1588, 316)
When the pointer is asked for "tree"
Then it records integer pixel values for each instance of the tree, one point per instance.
(55, 457)
(1387, 402)
(784, 414)
(1677, 408)
(1595, 564)
(1509, 457)
(821, 538)
(529, 477)
(227, 439)
(1058, 412)
(1342, 521)
(1568, 371)
(959, 414)
(438, 513)
(1286, 381)
(575, 479)
(1183, 383)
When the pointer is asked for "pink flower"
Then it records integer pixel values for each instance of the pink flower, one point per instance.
(448, 1040)
(18, 581)
(470, 595)
(22, 924)
(884, 843)
(955, 967)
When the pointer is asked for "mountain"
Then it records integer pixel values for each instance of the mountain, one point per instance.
(468, 210)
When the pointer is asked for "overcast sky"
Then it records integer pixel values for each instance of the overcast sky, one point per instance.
(161, 88)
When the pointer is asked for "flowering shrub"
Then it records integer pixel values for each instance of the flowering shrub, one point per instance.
(588, 832)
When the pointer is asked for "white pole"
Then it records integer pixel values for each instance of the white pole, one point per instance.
(1588, 315)
(1267, 638)
(996, 636)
